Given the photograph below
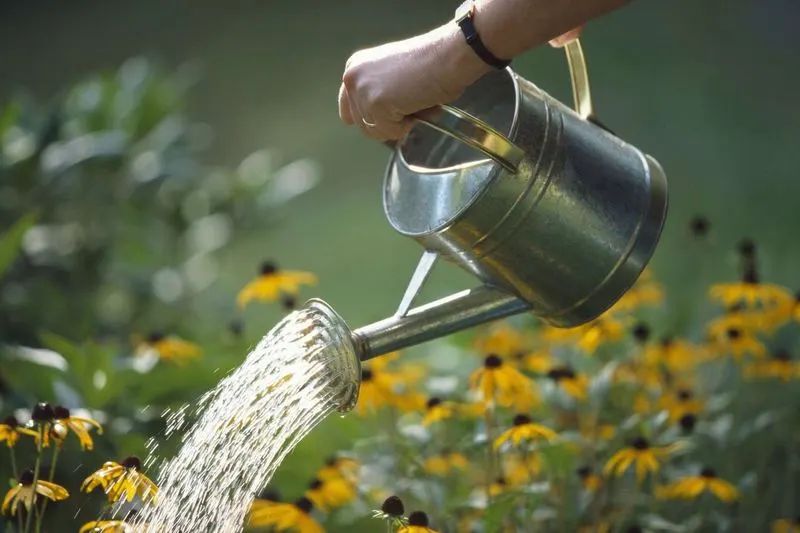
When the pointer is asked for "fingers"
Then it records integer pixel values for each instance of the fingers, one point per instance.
(344, 106)
(372, 120)
(564, 39)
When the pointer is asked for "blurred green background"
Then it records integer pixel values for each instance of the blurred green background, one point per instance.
(708, 88)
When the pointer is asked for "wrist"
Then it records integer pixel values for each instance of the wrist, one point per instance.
(457, 59)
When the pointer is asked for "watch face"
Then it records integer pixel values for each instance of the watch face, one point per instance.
(464, 10)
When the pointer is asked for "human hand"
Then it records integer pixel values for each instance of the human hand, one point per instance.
(382, 86)
(566, 38)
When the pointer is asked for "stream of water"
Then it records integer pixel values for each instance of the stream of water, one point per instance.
(236, 435)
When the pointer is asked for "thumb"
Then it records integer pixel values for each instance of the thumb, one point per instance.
(565, 38)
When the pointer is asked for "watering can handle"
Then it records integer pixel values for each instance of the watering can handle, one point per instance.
(487, 140)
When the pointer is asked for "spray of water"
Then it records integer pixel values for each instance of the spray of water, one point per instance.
(300, 372)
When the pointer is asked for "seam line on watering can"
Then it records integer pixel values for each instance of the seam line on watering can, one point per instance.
(624, 256)
(553, 133)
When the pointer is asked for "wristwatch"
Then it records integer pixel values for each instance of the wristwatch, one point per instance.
(464, 15)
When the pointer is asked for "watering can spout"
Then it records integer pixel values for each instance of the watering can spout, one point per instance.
(442, 317)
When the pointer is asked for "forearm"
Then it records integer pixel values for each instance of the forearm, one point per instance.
(511, 27)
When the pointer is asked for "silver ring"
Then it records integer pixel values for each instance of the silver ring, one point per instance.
(368, 124)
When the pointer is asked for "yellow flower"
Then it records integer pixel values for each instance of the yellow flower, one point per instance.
(504, 340)
(25, 492)
(375, 391)
(472, 409)
(737, 343)
(445, 463)
(786, 525)
(645, 291)
(169, 348)
(437, 410)
(417, 523)
(750, 291)
(589, 480)
(382, 386)
(521, 468)
(640, 374)
(498, 486)
(122, 481)
(675, 354)
(330, 494)
(525, 429)
(502, 383)
(339, 467)
(693, 486)
(77, 425)
(284, 516)
(273, 283)
(408, 402)
(10, 431)
(107, 526)
(780, 366)
(594, 432)
(538, 362)
(575, 385)
(645, 457)
(587, 337)
(680, 404)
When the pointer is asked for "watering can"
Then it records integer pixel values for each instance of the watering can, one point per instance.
(552, 212)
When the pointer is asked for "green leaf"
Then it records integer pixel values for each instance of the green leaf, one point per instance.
(11, 240)
(12, 482)
(497, 511)
(74, 354)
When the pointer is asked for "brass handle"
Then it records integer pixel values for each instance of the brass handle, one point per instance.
(579, 75)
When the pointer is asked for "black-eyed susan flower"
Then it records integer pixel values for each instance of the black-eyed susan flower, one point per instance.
(677, 355)
(574, 384)
(76, 424)
(692, 487)
(786, 525)
(780, 366)
(25, 491)
(284, 516)
(417, 523)
(642, 455)
(681, 403)
(10, 431)
(437, 410)
(122, 481)
(525, 430)
(687, 423)
(169, 347)
(645, 292)
(699, 226)
(375, 391)
(502, 383)
(408, 401)
(588, 479)
(273, 283)
(330, 494)
(109, 526)
(538, 362)
(502, 340)
(520, 469)
(641, 374)
(750, 291)
(595, 432)
(737, 343)
(339, 467)
(587, 337)
(445, 463)
(498, 486)
(392, 510)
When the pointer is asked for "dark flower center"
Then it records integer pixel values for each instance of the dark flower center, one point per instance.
(688, 422)
(684, 395)
(315, 484)
(42, 412)
(433, 402)
(640, 443)
(782, 355)
(750, 274)
(418, 518)
(236, 327)
(492, 361)
(26, 478)
(289, 302)
(60, 412)
(331, 461)
(708, 472)
(155, 336)
(584, 472)
(699, 225)
(641, 332)
(666, 342)
(561, 372)
(366, 374)
(10, 421)
(747, 248)
(304, 504)
(734, 333)
(500, 481)
(393, 506)
(132, 462)
(271, 495)
(268, 268)
(521, 420)
(797, 296)
(634, 529)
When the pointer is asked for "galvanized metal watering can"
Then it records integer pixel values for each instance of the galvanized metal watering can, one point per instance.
(553, 213)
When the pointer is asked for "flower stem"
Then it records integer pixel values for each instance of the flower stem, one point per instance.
(39, 443)
(56, 449)
(489, 454)
(13, 462)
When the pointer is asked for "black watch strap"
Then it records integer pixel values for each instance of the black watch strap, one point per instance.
(464, 16)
